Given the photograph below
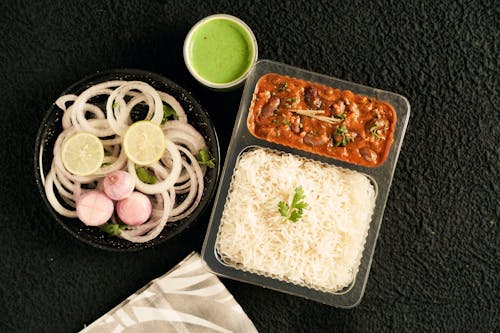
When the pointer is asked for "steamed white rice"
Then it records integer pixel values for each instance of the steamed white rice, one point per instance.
(322, 250)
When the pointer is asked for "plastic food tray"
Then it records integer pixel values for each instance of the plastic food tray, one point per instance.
(381, 177)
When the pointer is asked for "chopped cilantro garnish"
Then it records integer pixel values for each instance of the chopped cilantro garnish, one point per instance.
(145, 177)
(285, 121)
(295, 210)
(341, 130)
(113, 229)
(374, 131)
(291, 101)
(205, 158)
(342, 137)
(168, 113)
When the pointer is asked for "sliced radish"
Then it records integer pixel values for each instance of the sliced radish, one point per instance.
(94, 208)
(134, 209)
(118, 185)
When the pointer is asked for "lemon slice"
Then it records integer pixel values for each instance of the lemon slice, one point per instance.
(82, 154)
(144, 142)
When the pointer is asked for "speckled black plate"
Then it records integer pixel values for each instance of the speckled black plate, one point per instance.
(51, 127)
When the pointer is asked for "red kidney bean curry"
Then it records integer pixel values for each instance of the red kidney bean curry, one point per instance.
(323, 120)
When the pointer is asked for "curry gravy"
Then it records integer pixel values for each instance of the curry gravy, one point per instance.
(323, 120)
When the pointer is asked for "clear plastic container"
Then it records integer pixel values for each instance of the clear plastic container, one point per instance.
(381, 177)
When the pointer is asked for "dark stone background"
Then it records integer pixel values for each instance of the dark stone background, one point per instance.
(436, 263)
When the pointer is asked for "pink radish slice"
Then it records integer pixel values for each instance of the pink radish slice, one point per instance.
(134, 209)
(94, 208)
(118, 184)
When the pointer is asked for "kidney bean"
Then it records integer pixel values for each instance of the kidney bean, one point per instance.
(368, 154)
(311, 97)
(269, 107)
(313, 139)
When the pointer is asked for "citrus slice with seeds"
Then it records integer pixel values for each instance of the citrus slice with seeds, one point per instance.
(144, 142)
(82, 154)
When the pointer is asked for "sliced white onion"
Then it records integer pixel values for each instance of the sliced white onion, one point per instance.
(118, 117)
(166, 183)
(201, 185)
(51, 197)
(188, 200)
(196, 138)
(61, 103)
(170, 100)
(151, 228)
(175, 173)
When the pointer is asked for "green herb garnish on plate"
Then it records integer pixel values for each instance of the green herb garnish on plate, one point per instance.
(144, 176)
(204, 158)
(294, 211)
(113, 229)
(168, 113)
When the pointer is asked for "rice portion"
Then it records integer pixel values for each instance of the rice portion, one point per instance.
(322, 250)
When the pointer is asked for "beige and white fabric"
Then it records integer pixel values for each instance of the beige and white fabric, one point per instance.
(186, 299)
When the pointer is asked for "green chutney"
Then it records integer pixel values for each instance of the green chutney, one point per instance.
(221, 50)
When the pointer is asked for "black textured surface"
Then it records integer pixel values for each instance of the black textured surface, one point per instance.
(436, 266)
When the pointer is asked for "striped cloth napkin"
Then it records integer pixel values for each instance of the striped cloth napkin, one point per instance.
(186, 299)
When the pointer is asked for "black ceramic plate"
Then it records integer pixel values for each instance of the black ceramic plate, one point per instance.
(51, 127)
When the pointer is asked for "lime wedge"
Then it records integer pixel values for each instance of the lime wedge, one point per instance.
(82, 154)
(144, 142)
